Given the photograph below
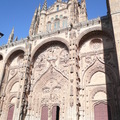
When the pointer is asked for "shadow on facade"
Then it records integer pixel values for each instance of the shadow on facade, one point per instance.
(112, 72)
(101, 59)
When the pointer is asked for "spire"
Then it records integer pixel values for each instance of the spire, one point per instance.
(83, 1)
(45, 6)
(35, 15)
(33, 22)
(16, 39)
(36, 10)
(83, 5)
(11, 36)
(39, 9)
(83, 11)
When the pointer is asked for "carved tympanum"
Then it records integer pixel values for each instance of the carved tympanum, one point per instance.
(52, 54)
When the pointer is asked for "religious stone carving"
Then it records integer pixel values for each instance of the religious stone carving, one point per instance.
(50, 89)
(15, 66)
(40, 62)
(54, 55)
(88, 59)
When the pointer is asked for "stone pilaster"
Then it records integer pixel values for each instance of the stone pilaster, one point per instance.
(22, 102)
(115, 16)
(114, 9)
(73, 77)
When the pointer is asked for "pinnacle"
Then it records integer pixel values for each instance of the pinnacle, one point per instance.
(45, 6)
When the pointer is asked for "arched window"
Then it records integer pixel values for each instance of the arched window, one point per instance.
(57, 7)
(44, 113)
(56, 24)
(49, 26)
(102, 112)
(55, 113)
(64, 25)
(10, 113)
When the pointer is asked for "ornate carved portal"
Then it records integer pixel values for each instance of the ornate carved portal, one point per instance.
(97, 65)
(49, 81)
(53, 54)
(9, 102)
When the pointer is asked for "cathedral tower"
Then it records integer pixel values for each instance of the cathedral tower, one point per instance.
(114, 11)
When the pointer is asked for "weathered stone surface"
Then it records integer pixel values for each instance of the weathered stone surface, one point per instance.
(67, 64)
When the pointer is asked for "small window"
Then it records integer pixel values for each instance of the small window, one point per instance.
(57, 25)
(61, 16)
(56, 16)
(52, 19)
(64, 23)
(49, 27)
(57, 7)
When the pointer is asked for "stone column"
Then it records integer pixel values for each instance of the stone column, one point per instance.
(115, 16)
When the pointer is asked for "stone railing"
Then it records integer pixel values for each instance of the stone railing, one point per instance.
(48, 34)
(97, 21)
(14, 43)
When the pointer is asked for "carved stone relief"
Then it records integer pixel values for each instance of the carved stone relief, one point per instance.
(50, 89)
(55, 55)
(96, 44)
(15, 66)
(98, 48)
(97, 65)
(12, 85)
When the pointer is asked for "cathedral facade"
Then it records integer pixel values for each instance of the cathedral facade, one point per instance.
(66, 69)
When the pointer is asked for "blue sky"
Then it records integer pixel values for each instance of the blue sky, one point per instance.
(19, 13)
